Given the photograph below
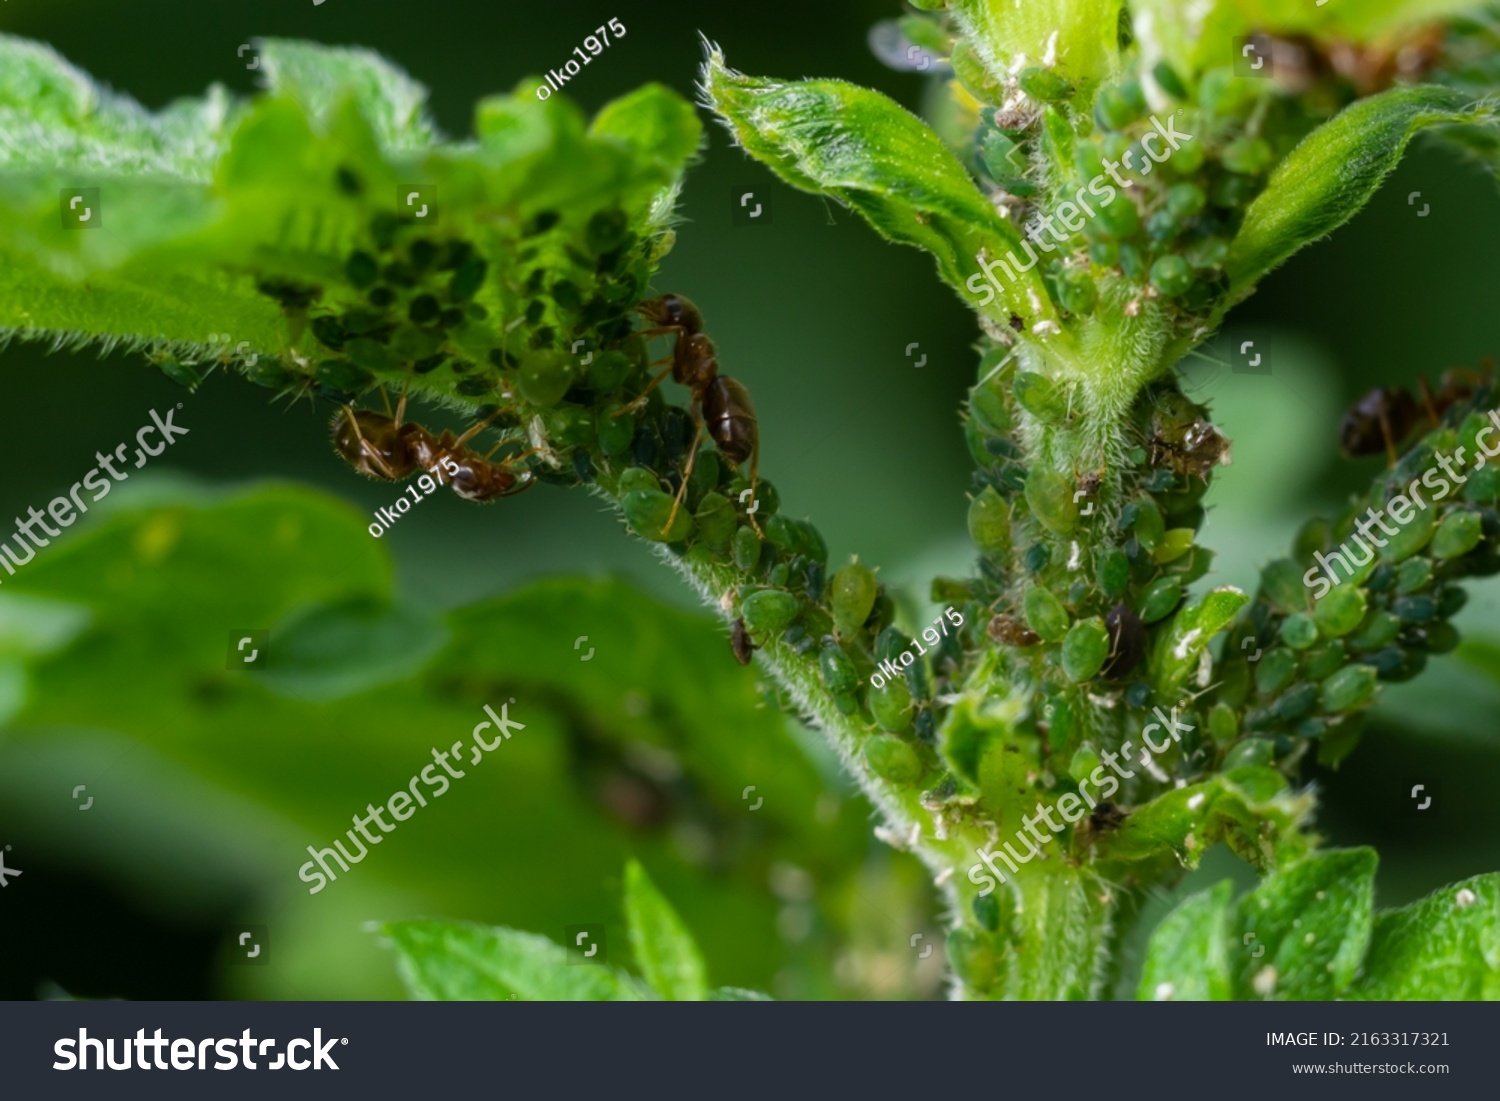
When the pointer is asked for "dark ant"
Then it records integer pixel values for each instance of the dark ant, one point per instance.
(381, 446)
(1387, 415)
(720, 404)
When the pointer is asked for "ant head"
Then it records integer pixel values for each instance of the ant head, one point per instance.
(672, 310)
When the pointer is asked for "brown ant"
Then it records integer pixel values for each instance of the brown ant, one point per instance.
(381, 446)
(720, 404)
(1387, 415)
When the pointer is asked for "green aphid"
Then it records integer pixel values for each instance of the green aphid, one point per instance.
(1299, 631)
(1457, 535)
(1322, 662)
(1378, 632)
(411, 343)
(1169, 82)
(1250, 752)
(1041, 397)
(1077, 293)
(1043, 84)
(746, 548)
(1349, 688)
(179, 372)
(1172, 276)
(544, 377)
(1275, 671)
(892, 759)
(1050, 497)
(1085, 649)
(637, 479)
(1247, 156)
(783, 534)
(1115, 107)
(891, 706)
(986, 909)
(1045, 614)
(1340, 611)
(1223, 724)
(838, 670)
(1160, 599)
(769, 610)
(340, 374)
(716, 521)
(647, 512)
(1113, 573)
(1120, 219)
(852, 592)
(989, 523)
(1144, 518)
(1295, 702)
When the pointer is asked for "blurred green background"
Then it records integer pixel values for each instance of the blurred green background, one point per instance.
(209, 787)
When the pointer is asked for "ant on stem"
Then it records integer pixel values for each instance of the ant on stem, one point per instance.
(380, 445)
(1387, 415)
(721, 406)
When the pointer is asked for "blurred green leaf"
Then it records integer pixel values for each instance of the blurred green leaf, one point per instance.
(455, 961)
(664, 949)
(1080, 37)
(1188, 957)
(1445, 946)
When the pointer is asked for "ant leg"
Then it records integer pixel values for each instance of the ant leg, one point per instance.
(1427, 398)
(1390, 443)
(687, 473)
(474, 430)
(641, 397)
(754, 480)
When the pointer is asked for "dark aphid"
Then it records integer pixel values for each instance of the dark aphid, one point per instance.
(451, 317)
(476, 386)
(362, 269)
(424, 309)
(1007, 630)
(422, 254)
(399, 273)
(291, 296)
(1127, 641)
(455, 255)
(502, 359)
(381, 297)
(541, 223)
(431, 363)
(740, 643)
(348, 180)
(1106, 817)
(383, 228)
(329, 332)
(468, 277)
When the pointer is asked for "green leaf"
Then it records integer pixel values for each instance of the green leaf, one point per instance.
(665, 950)
(1174, 654)
(736, 994)
(1447, 946)
(1313, 919)
(455, 961)
(1333, 173)
(1250, 809)
(869, 153)
(1078, 39)
(1187, 959)
(322, 77)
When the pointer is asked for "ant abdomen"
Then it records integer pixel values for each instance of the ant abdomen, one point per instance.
(730, 418)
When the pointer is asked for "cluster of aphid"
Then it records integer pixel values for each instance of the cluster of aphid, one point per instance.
(1079, 615)
(1302, 667)
(1162, 222)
